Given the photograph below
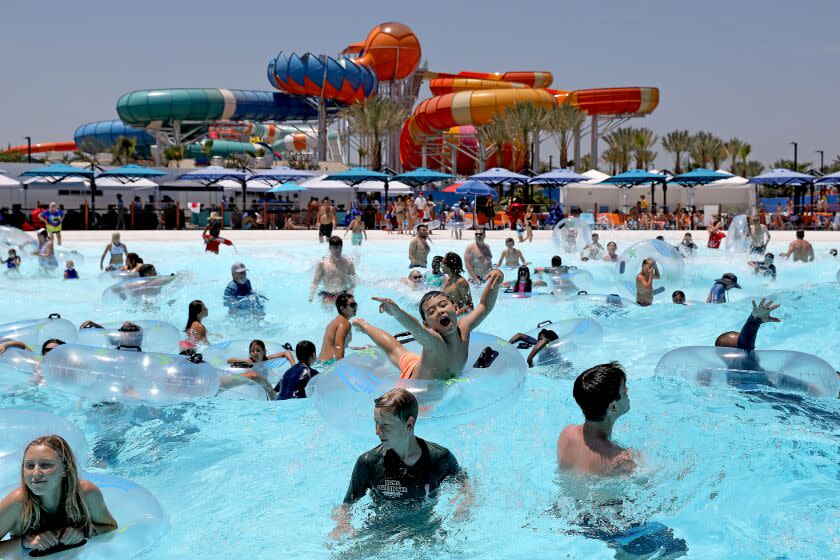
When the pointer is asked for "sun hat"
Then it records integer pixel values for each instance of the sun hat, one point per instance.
(729, 278)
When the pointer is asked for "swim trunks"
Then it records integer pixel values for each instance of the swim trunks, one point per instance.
(417, 266)
(325, 230)
(356, 238)
(408, 362)
(323, 294)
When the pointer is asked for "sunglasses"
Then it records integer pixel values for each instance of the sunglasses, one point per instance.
(353, 305)
(479, 235)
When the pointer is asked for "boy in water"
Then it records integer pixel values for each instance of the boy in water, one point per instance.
(13, 262)
(644, 282)
(601, 393)
(444, 337)
(511, 256)
(357, 226)
(70, 271)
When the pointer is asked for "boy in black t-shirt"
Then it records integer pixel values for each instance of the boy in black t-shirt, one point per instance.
(402, 466)
(765, 267)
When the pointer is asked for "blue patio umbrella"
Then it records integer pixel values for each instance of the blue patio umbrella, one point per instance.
(475, 189)
(422, 176)
(636, 177)
(696, 177)
(58, 172)
(131, 173)
(356, 175)
(781, 177)
(277, 175)
(557, 178)
(286, 187)
(498, 176)
(213, 174)
(830, 179)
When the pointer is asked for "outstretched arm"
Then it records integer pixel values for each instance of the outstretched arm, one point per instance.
(536, 350)
(760, 315)
(105, 252)
(488, 300)
(420, 333)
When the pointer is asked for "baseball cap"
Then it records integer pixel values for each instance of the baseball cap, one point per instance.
(240, 267)
(730, 278)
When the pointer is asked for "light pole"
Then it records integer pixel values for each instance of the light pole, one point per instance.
(822, 159)
(795, 155)
(28, 149)
(796, 188)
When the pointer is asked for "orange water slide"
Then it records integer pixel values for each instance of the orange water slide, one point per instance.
(472, 98)
(42, 148)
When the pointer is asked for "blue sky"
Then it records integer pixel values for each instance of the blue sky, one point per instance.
(765, 71)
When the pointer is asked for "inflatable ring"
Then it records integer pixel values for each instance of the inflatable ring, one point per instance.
(738, 235)
(571, 235)
(572, 281)
(13, 238)
(344, 393)
(18, 369)
(608, 300)
(104, 374)
(118, 274)
(142, 521)
(572, 335)
(462, 224)
(153, 336)
(63, 254)
(137, 288)
(20, 426)
(217, 355)
(35, 332)
(784, 370)
(250, 304)
(668, 260)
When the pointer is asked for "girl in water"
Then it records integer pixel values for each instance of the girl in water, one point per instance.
(523, 283)
(256, 355)
(45, 252)
(133, 262)
(196, 332)
(53, 510)
(456, 286)
(117, 250)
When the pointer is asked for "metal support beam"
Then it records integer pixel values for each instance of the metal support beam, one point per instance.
(593, 145)
(576, 148)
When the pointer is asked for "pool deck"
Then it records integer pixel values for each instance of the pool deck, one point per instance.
(261, 236)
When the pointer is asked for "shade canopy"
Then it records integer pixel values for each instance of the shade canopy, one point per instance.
(277, 175)
(286, 187)
(781, 177)
(700, 176)
(8, 182)
(132, 172)
(58, 171)
(635, 177)
(422, 176)
(499, 175)
(558, 178)
(356, 175)
(212, 174)
(474, 188)
(830, 179)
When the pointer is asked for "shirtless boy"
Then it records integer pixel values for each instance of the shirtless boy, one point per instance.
(418, 249)
(444, 337)
(335, 273)
(800, 249)
(478, 259)
(511, 256)
(644, 282)
(338, 333)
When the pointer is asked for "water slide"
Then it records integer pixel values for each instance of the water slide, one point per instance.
(43, 148)
(101, 136)
(470, 99)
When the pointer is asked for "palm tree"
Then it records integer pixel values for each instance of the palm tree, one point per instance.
(753, 168)
(563, 121)
(374, 118)
(613, 159)
(173, 153)
(493, 136)
(585, 162)
(123, 150)
(743, 153)
(526, 120)
(643, 141)
(702, 148)
(677, 143)
(622, 142)
(801, 167)
(718, 151)
(733, 150)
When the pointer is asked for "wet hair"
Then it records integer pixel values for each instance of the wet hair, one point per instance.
(547, 334)
(647, 260)
(134, 258)
(678, 293)
(192, 313)
(342, 299)
(335, 241)
(399, 402)
(527, 272)
(258, 343)
(771, 255)
(46, 343)
(12, 252)
(436, 260)
(597, 388)
(556, 260)
(454, 263)
(832, 252)
(728, 339)
(612, 243)
(800, 234)
(509, 240)
(146, 270)
(304, 351)
(426, 297)
(75, 510)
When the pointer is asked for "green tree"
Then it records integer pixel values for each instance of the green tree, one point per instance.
(743, 154)
(173, 153)
(733, 152)
(753, 168)
(703, 148)
(643, 140)
(374, 118)
(493, 136)
(524, 121)
(718, 152)
(802, 166)
(562, 122)
(123, 150)
(622, 144)
(678, 143)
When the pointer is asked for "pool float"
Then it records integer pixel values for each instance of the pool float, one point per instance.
(434, 224)
(13, 238)
(35, 332)
(105, 374)
(785, 370)
(137, 288)
(572, 281)
(63, 255)
(18, 369)
(251, 304)
(572, 335)
(20, 426)
(118, 274)
(571, 235)
(669, 262)
(217, 355)
(464, 223)
(153, 336)
(212, 244)
(738, 235)
(610, 300)
(344, 392)
(141, 519)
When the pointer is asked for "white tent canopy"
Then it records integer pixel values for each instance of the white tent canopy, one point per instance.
(343, 193)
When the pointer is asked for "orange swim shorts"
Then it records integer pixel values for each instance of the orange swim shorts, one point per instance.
(408, 362)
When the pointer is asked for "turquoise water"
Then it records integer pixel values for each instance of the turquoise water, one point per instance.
(732, 474)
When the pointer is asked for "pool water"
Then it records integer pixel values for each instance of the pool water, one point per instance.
(724, 473)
